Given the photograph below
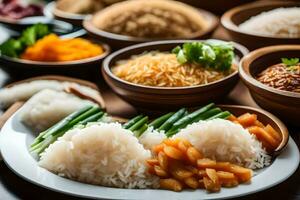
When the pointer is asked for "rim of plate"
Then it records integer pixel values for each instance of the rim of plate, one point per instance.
(14, 141)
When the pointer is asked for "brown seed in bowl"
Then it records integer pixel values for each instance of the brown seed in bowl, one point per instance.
(150, 19)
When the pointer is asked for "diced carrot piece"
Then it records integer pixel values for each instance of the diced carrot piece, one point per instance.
(222, 166)
(172, 142)
(223, 175)
(193, 155)
(206, 163)
(259, 124)
(212, 174)
(247, 119)
(174, 153)
(273, 132)
(232, 118)
(243, 174)
(262, 135)
(210, 185)
(230, 183)
(157, 148)
(152, 161)
(170, 184)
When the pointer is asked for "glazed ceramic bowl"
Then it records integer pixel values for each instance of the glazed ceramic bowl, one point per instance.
(236, 16)
(165, 98)
(282, 103)
(84, 68)
(117, 41)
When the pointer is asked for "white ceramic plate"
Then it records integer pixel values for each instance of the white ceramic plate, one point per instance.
(15, 139)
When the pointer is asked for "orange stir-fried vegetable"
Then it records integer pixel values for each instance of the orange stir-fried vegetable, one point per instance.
(268, 136)
(52, 48)
(179, 165)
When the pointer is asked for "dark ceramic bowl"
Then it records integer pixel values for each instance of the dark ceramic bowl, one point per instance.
(51, 11)
(216, 6)
(117, 41)
(165, 98)
(84, 68)
(236, 16)
(282, 103)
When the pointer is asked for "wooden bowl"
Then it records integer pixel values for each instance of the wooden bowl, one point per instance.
(234, 17)
(282, 103)
(117, 41)
(50, 10)
(264, 117)
(165, 98)
(85, 68)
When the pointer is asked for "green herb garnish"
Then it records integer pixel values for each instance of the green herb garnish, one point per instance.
(213, 54)
(290, 62)
(14, 47)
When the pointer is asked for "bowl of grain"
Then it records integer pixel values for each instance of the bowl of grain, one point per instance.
(264, 23)
(131, 22)
(272, 75)
(149, 75)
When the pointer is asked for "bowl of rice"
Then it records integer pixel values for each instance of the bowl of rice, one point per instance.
(132, 22)
(264, 23)
(149, 76)
(273, 85)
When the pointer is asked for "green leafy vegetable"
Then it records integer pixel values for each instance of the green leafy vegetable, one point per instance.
(290, 62)
(14, 47)
(213, 54)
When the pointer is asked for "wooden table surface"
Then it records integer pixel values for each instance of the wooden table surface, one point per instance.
(13, 187)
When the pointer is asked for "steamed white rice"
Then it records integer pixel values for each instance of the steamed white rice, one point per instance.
(102, 154)
(151, 138)
(280, 22)
(223, 140)
(47, 107)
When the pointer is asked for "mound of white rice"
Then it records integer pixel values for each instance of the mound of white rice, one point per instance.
(281, 22)
(223, 140)
(151, 138)
(102, 154)
(47, 107)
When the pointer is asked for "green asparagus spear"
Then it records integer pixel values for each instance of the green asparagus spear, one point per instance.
(183, 122)
(131, 122)
(139, 124)
(222, 115)
(61, 124)
(207, 114)
(159, 121)
(141, 130)
(175, 117)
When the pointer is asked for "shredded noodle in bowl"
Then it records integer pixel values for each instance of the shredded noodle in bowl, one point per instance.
(163, 70)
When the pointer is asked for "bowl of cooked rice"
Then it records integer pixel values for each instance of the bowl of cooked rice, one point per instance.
(264, 23)
(131, 22)
(152, 75)
(272, 75)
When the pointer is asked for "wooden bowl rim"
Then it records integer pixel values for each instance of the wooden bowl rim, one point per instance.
(61, 79)
(252, 56)
(91, 28)
(226, 19)
(283, 129)
(56, 64)
(107, 68)
(63, 14)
